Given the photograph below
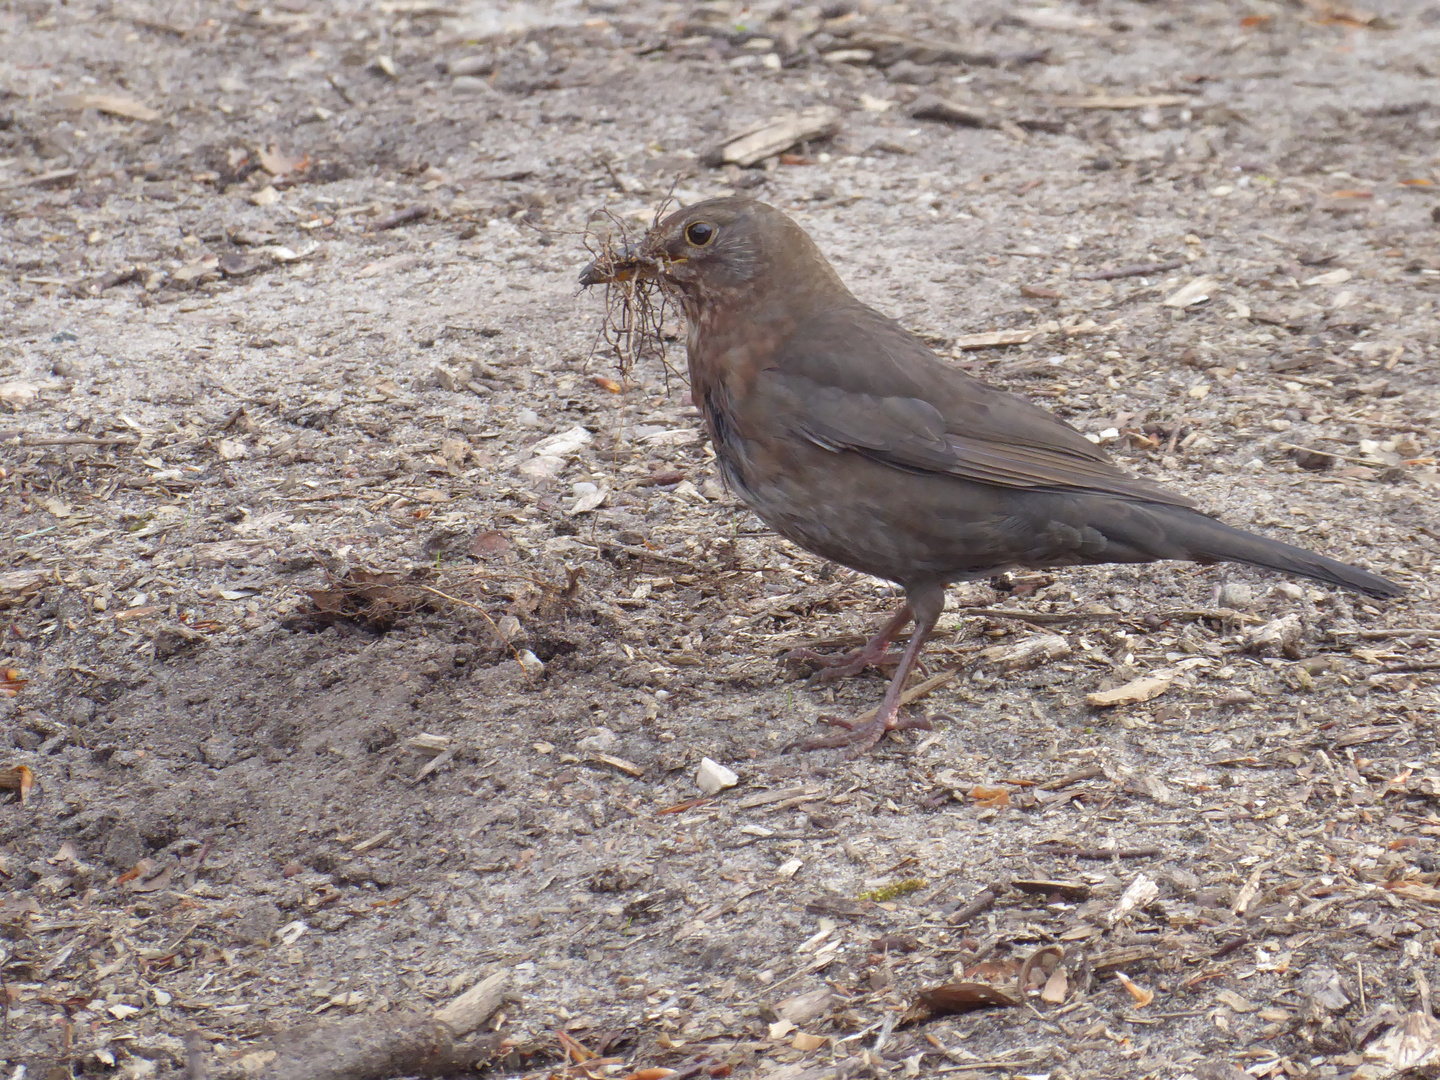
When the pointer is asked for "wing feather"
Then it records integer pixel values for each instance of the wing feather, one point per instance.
(896, 402)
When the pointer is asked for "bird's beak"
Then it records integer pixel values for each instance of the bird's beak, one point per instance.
(621, 266)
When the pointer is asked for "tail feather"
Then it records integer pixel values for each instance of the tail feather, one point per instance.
(1176, 533)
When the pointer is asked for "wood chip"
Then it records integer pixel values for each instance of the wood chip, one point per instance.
(1123, 957)
(19, 581)
(1140, 892)
(1056, 987)
(754, 145)
(934, 107)
(472, 1008)
(1196, 292)
(1414, 890)
(1070, 890)
(1332, 277)
(803, 1008)
(428, 744)
(1250, 890)
(627, 767)
(1133, 692)
(1122, 101)
(114, 105)
(764, 798)
(1027, 653)
(1408, 1047)
(992, 339)
(373, 842)
(45, 179)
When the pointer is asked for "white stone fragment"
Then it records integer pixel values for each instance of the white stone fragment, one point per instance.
(713, 778)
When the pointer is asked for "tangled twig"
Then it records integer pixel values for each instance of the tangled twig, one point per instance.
(633, 328)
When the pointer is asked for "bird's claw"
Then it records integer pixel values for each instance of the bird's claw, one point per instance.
(861, 737)
(844, 665)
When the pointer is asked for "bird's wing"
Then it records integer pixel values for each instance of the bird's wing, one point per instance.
(896, 402)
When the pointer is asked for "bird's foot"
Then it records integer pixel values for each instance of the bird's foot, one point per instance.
(846, 664)
(862, 737)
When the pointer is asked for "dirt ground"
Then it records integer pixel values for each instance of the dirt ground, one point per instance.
(365, 628)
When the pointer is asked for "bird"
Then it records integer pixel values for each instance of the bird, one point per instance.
(846, 434)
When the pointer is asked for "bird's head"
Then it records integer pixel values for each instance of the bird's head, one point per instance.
(720, 251)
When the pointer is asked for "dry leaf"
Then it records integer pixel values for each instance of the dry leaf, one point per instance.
(574, 1049)
(958, 997)
(491, 544)
(1235, 1002)
(989, 797)
(145, 869)
(154, 882)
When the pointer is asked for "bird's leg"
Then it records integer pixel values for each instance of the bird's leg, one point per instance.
(925, 604)
(874, 653)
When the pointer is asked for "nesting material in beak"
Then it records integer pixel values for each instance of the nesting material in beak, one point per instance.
(634, 303)
(611, 267)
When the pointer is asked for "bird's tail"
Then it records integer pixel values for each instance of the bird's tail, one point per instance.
(1168, 532)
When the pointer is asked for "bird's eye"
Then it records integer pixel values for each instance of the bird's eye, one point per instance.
(699, 233)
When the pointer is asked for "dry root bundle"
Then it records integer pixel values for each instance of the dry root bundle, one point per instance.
(636, 308)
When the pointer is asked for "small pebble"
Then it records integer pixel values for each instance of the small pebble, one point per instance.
(1238, 596)
(714, 778)
(604, 739)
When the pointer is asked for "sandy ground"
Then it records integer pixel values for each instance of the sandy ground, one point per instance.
(364, 628)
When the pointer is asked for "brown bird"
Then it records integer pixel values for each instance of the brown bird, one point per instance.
(848, 436)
